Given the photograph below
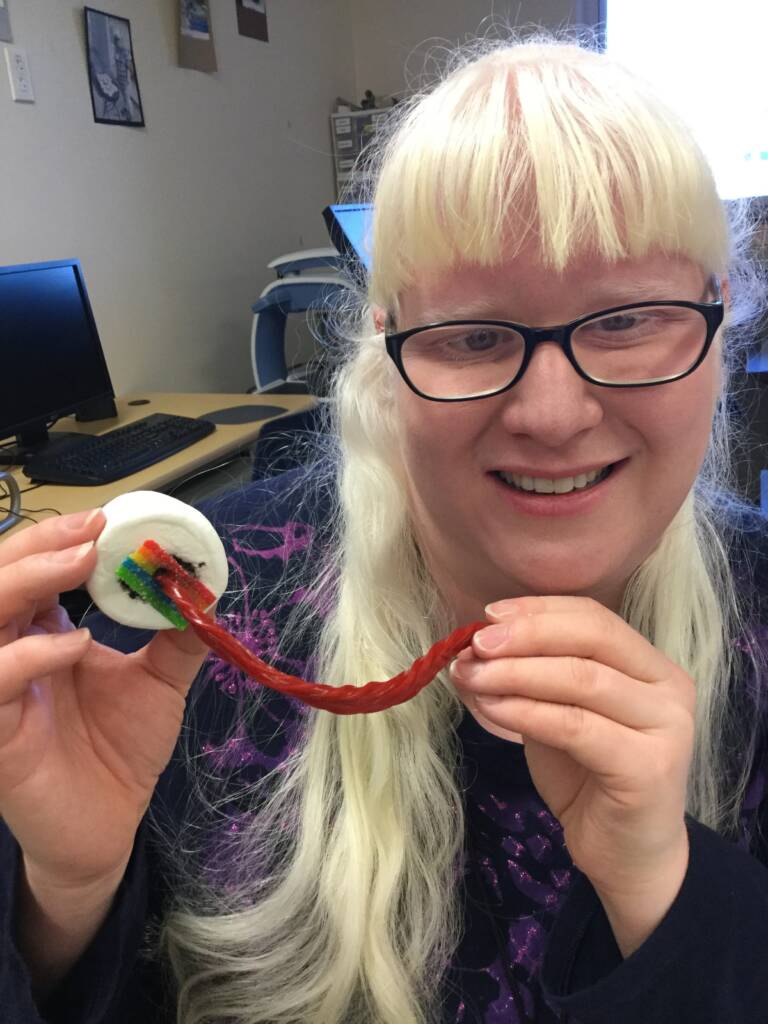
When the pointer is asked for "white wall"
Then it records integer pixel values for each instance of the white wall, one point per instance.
(174, 223)
(392, 38)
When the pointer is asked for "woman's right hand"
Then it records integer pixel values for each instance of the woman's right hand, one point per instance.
(85, 731)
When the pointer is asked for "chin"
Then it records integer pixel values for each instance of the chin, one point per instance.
(576, 581)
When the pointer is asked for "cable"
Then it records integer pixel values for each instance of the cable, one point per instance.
(35, 511)
(21, 513)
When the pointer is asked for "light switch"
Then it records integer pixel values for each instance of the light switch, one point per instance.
(18, 73)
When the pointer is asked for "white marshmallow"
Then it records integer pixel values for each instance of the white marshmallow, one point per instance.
(180, 529)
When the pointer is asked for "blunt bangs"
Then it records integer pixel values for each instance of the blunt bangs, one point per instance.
(548, 142)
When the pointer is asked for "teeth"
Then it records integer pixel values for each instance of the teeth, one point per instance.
(542, 485)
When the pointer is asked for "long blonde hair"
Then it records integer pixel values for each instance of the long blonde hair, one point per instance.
(345, 907)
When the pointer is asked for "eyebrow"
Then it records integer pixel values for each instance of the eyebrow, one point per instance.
(604, 296)
(637, 291)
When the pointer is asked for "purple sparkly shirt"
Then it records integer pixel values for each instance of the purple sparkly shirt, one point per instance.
(536, 944)
(518, 870)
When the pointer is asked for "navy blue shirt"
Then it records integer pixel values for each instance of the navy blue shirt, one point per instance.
(536, 944)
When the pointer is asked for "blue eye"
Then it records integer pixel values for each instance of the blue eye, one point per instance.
(619, 322)
(481, 339)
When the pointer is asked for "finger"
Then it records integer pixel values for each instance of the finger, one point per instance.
(175, 656)
(45, 616)
(600, 745)
(53, 535)
(570, 680)
(532, 604)
(577, 626)
(48, 617)
(51, 619)
(35, 656)
(41, 577)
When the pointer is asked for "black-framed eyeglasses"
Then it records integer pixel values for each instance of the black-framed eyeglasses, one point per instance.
(636, 345)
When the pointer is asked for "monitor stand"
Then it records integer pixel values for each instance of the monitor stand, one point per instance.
(31, 444)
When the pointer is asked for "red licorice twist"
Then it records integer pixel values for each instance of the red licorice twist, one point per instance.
(341, 700)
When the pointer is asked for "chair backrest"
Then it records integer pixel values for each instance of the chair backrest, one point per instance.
(306, 280)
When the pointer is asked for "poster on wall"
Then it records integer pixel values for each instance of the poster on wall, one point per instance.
(252, 19)
(111, 69)
(196, 49)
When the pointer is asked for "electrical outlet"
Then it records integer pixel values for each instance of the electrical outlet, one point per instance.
(18, 73)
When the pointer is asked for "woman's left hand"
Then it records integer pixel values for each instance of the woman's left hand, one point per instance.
(608, 726)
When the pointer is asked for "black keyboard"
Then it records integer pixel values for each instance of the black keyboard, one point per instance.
(118, 453)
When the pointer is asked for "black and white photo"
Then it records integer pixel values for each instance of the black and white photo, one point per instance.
(111, 69)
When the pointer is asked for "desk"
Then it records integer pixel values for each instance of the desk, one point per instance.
(226, 440)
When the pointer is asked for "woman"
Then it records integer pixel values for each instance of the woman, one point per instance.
(565, 826)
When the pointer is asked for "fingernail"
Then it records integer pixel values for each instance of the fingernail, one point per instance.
(455, 670)
(71, 554)
(79, 520)
(499, 609)
(491, 637)
(78, 636)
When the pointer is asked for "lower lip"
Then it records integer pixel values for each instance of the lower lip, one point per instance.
(572, 503)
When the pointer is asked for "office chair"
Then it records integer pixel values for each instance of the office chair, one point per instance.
(11, 492)
(294, 291)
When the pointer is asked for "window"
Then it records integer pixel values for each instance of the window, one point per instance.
(708, 60)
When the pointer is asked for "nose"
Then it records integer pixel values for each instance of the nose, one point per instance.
(551, 402)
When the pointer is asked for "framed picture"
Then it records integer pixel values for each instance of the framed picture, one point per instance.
(252, 19)
(196, 49)
(111, 71)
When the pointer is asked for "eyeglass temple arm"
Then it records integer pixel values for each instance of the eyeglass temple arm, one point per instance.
(714, 286)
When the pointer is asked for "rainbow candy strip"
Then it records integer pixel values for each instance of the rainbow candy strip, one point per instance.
(139, 570)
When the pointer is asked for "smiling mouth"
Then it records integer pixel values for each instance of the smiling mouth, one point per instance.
(563, 485)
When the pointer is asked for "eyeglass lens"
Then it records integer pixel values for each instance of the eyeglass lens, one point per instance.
(628, 347)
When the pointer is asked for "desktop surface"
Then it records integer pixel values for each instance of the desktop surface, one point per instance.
(226, 441)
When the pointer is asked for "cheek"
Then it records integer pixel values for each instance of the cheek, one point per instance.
(437, 446)
(434, 434)
(677, 422)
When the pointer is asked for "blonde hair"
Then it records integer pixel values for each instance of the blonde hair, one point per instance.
(344, 907)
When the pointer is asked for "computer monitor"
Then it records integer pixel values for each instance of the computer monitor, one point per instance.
(349, 225)
(50, 354)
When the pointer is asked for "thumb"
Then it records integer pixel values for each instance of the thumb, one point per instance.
(174, 656)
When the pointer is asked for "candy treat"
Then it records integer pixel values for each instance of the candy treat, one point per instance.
(178, 531)
(349, 699)
(161, 564)
(143, 571)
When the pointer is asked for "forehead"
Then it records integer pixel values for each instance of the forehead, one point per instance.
(525, 286)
